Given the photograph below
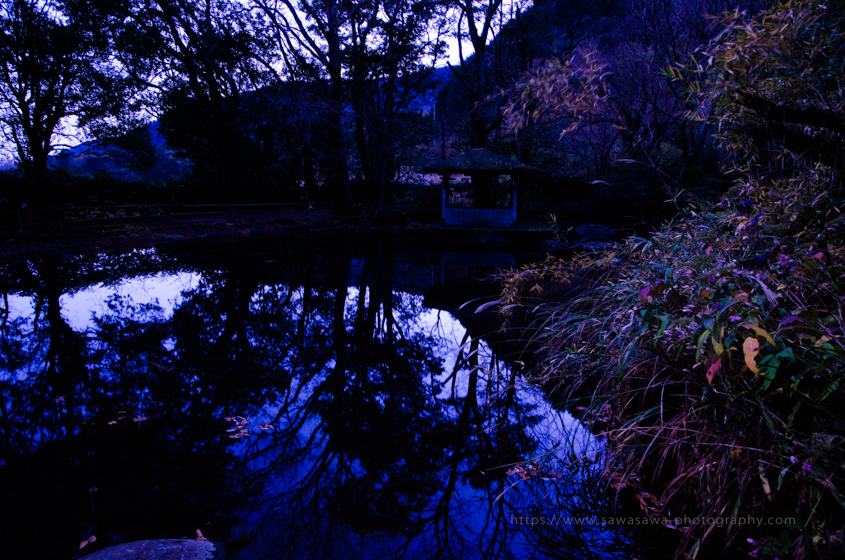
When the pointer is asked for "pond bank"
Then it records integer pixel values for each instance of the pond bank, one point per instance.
(314, 225)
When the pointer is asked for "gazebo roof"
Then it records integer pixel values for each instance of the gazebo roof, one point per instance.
(478, 160)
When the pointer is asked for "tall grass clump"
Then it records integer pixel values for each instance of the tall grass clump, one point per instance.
(711, 355)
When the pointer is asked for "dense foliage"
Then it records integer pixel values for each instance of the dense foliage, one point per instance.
(710, 356)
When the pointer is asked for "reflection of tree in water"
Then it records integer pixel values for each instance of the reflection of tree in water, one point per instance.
(377, 412)
(582, 520)
(77, 457)
(390, 455)
(375, 447)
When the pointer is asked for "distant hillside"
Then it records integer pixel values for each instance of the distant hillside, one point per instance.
(144, 156)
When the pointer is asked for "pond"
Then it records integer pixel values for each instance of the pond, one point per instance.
(290, 399)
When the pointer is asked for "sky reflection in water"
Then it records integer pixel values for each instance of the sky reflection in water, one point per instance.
(366, 423)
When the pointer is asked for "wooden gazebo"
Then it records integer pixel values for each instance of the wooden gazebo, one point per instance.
(485, 205)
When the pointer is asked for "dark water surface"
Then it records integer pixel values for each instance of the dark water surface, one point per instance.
(291, 399)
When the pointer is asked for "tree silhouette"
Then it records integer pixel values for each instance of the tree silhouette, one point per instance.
(52, 70)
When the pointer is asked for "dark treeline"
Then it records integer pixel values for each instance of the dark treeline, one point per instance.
(342, 100)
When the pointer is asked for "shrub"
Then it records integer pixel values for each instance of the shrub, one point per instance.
(710, 356)
(713, 355)
(421, 202)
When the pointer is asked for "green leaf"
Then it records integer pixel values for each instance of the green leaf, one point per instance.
(791, 418)
(664, 322)
(768, 419)
(693, 551)
(829, 389)
(786, 353)
(781, 475)
(701, 340)
(735, 510)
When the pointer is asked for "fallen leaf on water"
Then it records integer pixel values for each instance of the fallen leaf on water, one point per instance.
(87, 541)
(200, 537)
(112, 422)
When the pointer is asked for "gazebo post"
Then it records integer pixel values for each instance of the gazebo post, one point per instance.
(444, 194)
